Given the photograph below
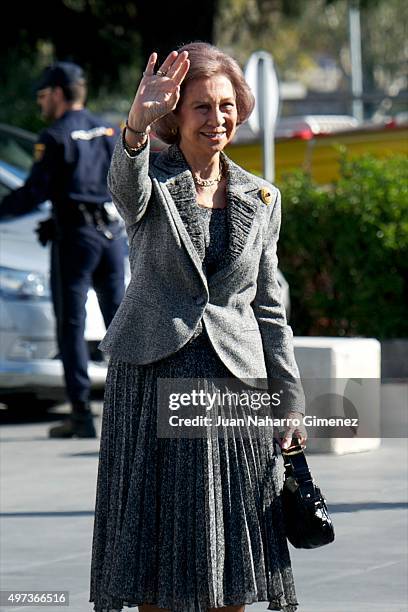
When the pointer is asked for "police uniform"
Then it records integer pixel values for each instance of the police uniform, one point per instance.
(72, 159)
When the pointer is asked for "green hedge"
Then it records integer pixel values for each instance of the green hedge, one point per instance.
(344, 250)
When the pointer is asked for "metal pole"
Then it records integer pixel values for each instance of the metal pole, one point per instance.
(355, 56)
(268, 153)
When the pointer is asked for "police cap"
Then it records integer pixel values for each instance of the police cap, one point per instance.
(60, 74)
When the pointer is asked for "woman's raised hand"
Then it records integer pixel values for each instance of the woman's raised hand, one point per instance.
(158, 93)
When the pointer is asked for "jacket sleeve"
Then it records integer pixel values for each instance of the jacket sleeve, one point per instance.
(277, 336)
(37, 188)
(129, 182)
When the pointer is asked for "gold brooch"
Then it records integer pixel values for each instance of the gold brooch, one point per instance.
(266, 195)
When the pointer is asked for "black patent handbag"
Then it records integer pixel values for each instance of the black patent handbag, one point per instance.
(307, 520)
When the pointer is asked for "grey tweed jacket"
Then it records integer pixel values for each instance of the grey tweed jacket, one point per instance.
(169, 296)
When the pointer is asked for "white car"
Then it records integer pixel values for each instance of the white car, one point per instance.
(29, 361)
(30, 367)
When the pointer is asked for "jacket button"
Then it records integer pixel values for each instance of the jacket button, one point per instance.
(200, 301)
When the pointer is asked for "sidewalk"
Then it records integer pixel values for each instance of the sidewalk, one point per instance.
(48, 492)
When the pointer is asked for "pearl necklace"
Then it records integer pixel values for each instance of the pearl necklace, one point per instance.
(208, 182)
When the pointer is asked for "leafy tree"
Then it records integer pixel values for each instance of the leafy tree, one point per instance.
(299, 33)
(111, 40)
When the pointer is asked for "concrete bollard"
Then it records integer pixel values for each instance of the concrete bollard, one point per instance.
(337, 361)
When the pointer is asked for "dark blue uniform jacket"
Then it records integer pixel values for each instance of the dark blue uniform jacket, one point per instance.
(71, 163)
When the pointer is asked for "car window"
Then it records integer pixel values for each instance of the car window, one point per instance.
(4, 190)
(16, 147)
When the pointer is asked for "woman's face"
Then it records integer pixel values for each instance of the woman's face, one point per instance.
(207, 117)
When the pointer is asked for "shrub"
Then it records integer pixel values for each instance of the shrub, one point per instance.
(344, 250)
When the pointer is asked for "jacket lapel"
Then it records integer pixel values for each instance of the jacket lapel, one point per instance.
(242, 208)
(242, 205)
(177, 185)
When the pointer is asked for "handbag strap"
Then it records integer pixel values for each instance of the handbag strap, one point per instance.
(296, 465)
(299, 467)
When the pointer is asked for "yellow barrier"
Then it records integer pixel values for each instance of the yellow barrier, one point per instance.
(320, 154)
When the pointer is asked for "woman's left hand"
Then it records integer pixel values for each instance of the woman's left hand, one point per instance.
(299, 431)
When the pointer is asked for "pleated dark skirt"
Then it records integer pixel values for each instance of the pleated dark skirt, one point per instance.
(184, 524)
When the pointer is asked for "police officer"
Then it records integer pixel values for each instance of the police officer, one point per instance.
(71, 162)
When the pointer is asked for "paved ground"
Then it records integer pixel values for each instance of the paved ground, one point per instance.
(48, 492)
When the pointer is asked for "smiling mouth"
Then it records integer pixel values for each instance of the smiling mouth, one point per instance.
(214, 135)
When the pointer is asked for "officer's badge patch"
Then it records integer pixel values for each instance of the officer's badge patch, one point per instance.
(39, 150)
(95, 132)
(266, 195)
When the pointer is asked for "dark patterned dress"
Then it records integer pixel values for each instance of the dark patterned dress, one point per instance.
(185, 524)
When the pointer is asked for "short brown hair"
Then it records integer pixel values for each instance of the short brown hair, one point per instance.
(205, 62)
(75, 92)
